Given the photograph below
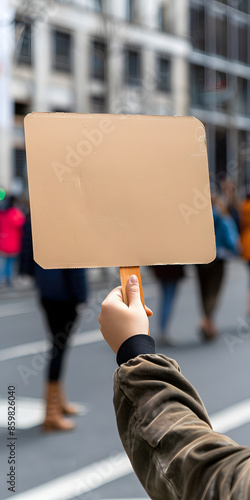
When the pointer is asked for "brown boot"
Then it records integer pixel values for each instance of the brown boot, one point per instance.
(54, 419)
(67, 408)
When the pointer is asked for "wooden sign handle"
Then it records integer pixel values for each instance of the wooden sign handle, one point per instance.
(125, 273)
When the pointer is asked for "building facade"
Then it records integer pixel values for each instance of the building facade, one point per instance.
(170, 57)
(220, 83)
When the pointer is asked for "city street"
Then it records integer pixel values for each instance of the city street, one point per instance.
(89, 462)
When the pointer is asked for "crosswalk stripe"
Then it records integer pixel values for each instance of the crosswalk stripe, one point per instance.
(232, 417)
(30, 412)
(82, 481)
(91, 477)
(39, 346)
(16, 309)
(16, 312)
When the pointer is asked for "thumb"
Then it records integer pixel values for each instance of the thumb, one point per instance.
(133, 291)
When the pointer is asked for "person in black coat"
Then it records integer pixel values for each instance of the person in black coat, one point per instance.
(60, 292)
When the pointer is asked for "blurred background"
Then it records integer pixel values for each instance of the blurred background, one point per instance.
(170, 57)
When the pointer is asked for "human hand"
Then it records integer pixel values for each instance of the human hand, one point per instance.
(119, 321)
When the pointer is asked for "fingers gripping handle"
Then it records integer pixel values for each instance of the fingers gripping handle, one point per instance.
(125, 273)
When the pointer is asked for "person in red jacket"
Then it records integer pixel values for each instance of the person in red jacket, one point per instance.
(11, 227)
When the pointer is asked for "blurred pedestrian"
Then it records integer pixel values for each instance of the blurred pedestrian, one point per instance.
(230, 199)
(168, 278)
(245, 240)
(26, 262)
(11, 229)
(161, 419)
(61, 292)
(210, 276)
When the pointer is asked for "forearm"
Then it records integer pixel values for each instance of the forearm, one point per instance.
(167, 435)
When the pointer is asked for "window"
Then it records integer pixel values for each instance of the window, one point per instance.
(232, 28)
(221, 152)
(61, 110)
(244, 157)
(21, 108)
(160, 17)
(98, 60)
(20, 164)
(164, 16)
(198, 27)
(132, 67)
(243, 43)
(242, 97)
(241, 5)
(221, 35)
(62, 51)
(23, 43)
(98, 5)
(164, 82)
(223, 93)
(197, 85)
(98, 104)
(211, 89)
(130, 10)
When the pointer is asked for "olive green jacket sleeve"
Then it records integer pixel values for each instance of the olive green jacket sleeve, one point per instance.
(167, 435)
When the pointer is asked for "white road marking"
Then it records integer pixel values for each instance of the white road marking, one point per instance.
(71, 486)
(86, 338)
(89, 478)
(82, 481)
(29, 412)
(31, 348)
(232, 417)
(16, 309)
(23, 350)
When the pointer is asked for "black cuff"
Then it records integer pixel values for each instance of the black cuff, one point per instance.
(134, 346)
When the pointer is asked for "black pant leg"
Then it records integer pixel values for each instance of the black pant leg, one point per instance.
(210, 279)
(61, 316)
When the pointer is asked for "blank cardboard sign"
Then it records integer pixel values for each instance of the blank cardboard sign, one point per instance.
(118, 190)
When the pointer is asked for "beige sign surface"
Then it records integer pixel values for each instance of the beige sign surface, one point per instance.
(118, 190)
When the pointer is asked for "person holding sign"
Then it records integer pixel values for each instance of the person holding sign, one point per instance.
(162, 422)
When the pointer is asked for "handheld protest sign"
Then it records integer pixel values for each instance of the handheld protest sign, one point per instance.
(118, 190)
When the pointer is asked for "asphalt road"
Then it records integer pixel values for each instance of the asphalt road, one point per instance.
(92, 452)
